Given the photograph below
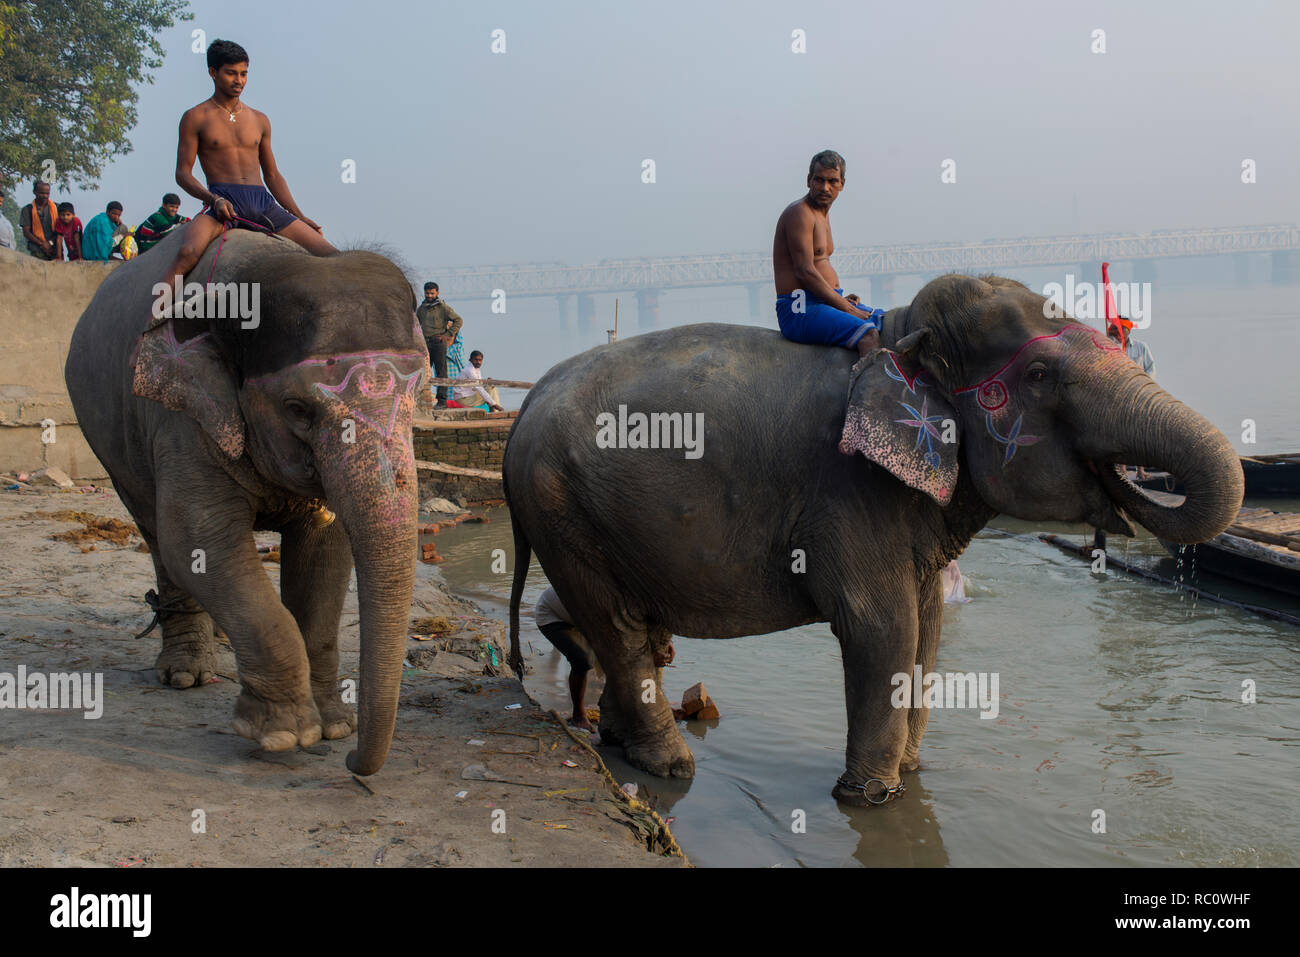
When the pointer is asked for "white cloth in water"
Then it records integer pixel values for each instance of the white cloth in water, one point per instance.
(550, 610)
(954, 585)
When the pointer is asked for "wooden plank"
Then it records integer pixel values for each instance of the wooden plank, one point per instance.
(1256, 535)
(497, 425)
(502, 383)
(457, 470)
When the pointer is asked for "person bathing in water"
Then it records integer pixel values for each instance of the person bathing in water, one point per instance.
(233, 144)
(810, 305)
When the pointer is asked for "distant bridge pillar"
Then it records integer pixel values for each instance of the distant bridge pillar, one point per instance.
(1284, 266)
(1087, 272)
(647, 308)
(1144, 270)
(881, 292)
(1240, 269)
(586, 313)
(755, 297)
(565, 302)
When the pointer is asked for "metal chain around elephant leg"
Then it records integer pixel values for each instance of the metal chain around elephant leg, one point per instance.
(882, 795)
(189, 648)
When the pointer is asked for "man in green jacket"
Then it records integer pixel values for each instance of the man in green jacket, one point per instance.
(440, 325)
(151, 232)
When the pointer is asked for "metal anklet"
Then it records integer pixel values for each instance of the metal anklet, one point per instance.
(887, 794)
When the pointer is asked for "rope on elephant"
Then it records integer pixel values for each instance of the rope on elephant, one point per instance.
(666, 839)
(159, 606)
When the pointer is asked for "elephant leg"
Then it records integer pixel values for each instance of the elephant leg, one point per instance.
(634, 711)
(930, 618)
(877, 644)
(189, 648)
(206, 545)
(315, 564)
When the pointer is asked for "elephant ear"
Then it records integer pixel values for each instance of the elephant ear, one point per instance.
(190, 377)
(898, 419)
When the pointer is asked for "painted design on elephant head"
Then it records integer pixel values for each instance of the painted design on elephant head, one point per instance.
(379, 385)
(993, 395)
(1013, 439)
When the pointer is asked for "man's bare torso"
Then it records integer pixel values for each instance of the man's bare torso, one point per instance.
(229, 152)
(800, 216)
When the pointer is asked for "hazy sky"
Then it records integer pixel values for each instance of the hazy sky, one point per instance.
(466, 157)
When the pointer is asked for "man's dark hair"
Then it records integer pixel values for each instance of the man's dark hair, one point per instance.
(476, 353)
(171, 199)
(430, 285)
(223, 52)
(114, 205)
(66, 208)
(827, 159)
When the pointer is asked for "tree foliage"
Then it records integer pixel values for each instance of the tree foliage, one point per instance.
(68, 76)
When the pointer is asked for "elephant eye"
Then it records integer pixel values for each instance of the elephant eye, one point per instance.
(1036, 374)
(297, 409)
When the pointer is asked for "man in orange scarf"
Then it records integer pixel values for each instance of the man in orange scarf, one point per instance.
(37, 220)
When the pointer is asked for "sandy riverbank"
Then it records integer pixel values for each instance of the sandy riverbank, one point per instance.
(123, 790)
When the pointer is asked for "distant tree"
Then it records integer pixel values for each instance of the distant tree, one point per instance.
(10, 211)
(68, 70)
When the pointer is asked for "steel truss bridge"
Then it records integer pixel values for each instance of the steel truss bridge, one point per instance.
(651, 276)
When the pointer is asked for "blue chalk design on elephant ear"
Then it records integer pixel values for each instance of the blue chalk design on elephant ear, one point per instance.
(1013, 439)
(927, 429)
(895, 371)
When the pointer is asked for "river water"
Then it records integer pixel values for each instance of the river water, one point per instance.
(1120, 700)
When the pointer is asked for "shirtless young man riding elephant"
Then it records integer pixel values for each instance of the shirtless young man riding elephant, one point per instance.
(810, 304)
(232, 142)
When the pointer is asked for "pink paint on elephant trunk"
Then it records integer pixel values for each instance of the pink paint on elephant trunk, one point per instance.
(370, 483)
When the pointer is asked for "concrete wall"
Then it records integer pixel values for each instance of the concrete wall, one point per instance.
(40, 303)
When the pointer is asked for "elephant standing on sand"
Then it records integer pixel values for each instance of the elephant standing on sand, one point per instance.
(876, 475)
(213, 427)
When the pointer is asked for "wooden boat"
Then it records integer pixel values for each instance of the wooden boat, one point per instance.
(1266, 476)
(1261, 547)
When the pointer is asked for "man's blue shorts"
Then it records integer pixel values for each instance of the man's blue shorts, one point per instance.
(824, 325)
(255, 207)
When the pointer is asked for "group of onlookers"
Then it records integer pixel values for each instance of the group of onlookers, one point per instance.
(441, 326)
(55, 233)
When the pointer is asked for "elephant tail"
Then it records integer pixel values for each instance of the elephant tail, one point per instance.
(523, 555)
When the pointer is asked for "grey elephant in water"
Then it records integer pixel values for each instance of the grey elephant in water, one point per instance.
(294, 389)
(829, 491)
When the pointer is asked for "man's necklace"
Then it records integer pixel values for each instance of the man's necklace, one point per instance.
(227, 109)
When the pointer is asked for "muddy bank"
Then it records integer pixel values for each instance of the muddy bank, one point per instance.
(160, 778)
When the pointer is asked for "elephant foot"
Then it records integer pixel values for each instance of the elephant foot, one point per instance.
(872, 793)
(337, 719)
(277, 725)
(186, 663)
(667, 756)
(910, 762)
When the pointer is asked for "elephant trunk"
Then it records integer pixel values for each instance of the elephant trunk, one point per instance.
(1144, 425)
(373, 491)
